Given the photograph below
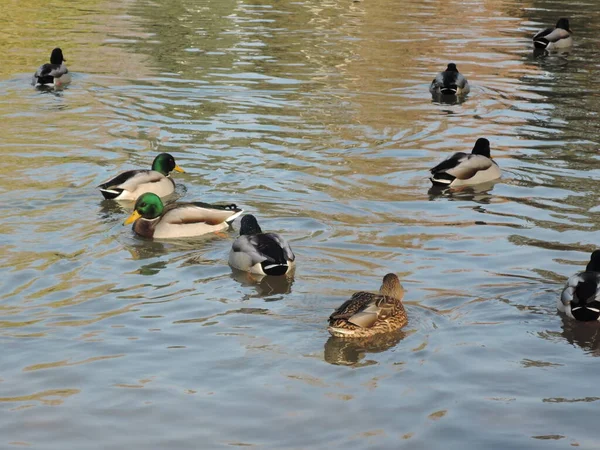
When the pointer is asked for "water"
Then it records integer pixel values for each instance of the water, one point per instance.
(314, 116)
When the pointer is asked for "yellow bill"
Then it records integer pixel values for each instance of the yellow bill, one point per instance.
(178, 169)
(132, 218)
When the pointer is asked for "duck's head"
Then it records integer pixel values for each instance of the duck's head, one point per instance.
(564, 24)
(249, 225)
(391, 287)
(482, 147)
(148, 205)
(165, 164)
(56, 57)
(594, 264)
(451, 68)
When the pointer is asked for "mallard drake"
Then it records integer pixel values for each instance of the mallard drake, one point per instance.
(133, 183)
(580, 299)
(260, 253)
(54, 73)
(554, 38)
(463, 169)
(367, 314)
(449, 82)
(151, 219)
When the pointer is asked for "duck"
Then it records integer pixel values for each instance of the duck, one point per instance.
(462, 169)
(449, 82)
(54, 73)
(152, 220)
(131, 184)
(367, 314)
(260, 253)
(554, 38)
(580, 299)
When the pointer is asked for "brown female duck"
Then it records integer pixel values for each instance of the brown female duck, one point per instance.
(367, 314)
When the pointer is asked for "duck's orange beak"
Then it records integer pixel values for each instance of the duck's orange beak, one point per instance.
(179, 169)
(132, 218)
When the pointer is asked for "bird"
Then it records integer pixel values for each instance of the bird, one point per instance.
(260, 253)
(54, 73)
(151, 219)
(554, 38)
(580, 299)
(131, 184)
(366, 314)
(463, 169)
(449, 82)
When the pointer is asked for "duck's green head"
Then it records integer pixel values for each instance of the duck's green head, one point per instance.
(564, 24)
(482, 147)
(56, 57)
(594, 264)
(165, 164)
(249, 225)
(148, 205)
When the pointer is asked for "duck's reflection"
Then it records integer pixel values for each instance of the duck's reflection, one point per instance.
(585, 335)
(146, 249)
(350, 352)
(448, 99)
(265, 285)
(479, 193)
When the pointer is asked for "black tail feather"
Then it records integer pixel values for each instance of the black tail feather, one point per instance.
(274, 269)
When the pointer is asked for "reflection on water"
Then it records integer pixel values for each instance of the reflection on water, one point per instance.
(316, 117)
(584, 335)
(265, 286)
(442, 99)
(480, 193)
(352, 352)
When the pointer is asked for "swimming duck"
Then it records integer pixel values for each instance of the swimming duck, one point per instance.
(449, 82)
(554, 38)
(367, 314)
(151, 219)
(580, 298)
(54, 73)
(131, 184)
(463, 169)
(260, 253)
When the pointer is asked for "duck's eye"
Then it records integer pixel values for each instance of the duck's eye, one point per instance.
(143, 205)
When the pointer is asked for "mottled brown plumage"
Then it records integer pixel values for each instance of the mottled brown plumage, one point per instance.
(367, 314)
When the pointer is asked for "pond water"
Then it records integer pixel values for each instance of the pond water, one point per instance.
(314, 116)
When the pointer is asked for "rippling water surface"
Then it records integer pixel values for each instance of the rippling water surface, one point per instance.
(315, 116)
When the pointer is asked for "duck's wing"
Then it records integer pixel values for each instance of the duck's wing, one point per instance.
(449, 163)
(543, 33)
(283, 244)
(552, 34)
(356, 304)
(262, 247)
(468, 167)
(129, 181)
(461, 81)
(364, 309)
(51, 70)
(199, 212)
(581, 287)
(437, 82)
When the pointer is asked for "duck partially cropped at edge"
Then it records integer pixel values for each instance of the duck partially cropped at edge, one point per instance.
(580, 298)
(463, 169)
(131, 184)
(151, 219)
(367, 314)
(449, 82)
(54, 73)
(260, 253)
(554, 38)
